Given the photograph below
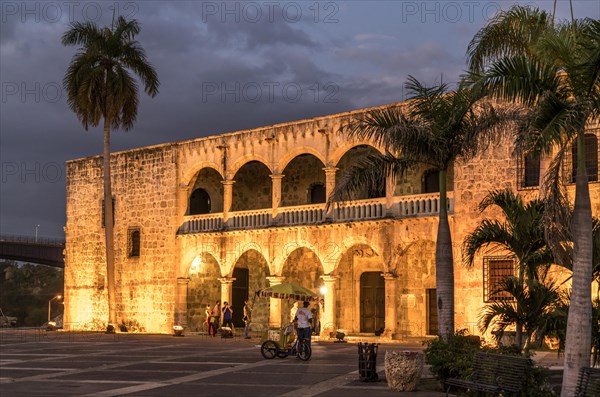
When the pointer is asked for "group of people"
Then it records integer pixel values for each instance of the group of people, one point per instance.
(222, 316)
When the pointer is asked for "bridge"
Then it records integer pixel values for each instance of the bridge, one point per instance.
(43, 251)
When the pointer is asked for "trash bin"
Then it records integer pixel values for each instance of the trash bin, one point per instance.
(367, 362)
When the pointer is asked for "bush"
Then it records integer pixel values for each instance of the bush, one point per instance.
(452, 358)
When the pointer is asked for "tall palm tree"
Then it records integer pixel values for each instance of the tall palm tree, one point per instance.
(436, 128)
(100, 87)
(554, 69)
(521, 233)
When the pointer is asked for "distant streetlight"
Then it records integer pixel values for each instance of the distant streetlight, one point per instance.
(36, 232)
(50, 305)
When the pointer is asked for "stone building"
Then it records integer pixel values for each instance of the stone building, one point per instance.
(224, 216)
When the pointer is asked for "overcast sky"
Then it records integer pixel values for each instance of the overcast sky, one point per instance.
(223, 66)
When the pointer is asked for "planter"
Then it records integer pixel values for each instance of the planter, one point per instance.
(403, 369)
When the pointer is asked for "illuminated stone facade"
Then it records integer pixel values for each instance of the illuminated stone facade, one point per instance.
(250, 203)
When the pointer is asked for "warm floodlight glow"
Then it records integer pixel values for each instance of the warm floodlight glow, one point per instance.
(196, 265)
(323, 290)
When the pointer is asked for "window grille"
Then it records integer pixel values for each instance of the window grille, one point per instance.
(496, 269)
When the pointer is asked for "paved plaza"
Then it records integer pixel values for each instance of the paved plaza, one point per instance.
(40, 363)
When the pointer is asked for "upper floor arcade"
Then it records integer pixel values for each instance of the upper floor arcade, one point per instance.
(282, 175)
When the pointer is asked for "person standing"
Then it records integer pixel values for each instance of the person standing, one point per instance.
(293, 312)
(305, 319)
(227, 316)
(216, 313)
(247, 318)
(209, 319)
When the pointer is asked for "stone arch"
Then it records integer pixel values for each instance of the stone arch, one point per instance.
(253, 187)
(353, 241)
(191, 252)
(203, 288)
(243, 160)
(355, 260)
(350, 158)
(341, 150)
(292, 154)
(245, 247)
(209, 180)
(300, 173)
(257, 269)
(301, 266)
(188, 175)
(277, 265)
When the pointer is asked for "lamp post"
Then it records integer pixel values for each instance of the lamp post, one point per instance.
(50, 305)
(36, 232)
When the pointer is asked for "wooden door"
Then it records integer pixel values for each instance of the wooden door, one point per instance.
(372, 302)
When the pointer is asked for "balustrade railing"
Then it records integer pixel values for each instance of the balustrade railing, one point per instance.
(302, 214)
(360, 209)
(399, 207)
(251, 219)
(204, 223)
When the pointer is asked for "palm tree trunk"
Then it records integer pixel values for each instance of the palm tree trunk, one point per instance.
(579, 321)
(444, 270)
(108, 228)
(519, 324)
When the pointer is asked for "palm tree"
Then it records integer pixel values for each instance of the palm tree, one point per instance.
(553, 69)
(100, 87)
(532, 310)
(436, 128)
(521, 234)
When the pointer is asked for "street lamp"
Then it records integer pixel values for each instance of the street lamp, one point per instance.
(50, 305)
(36, 232)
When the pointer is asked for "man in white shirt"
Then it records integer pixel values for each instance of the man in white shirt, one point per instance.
(305, 318)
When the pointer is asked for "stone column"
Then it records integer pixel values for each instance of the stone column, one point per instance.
(181, 301)
(390, 188)
(226, 289)
(390, 305)
(276, 192)
(227, 198)
(328, 319)
(275, 304)
(329, 186)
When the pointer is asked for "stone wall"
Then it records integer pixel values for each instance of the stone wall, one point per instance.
(145, 288)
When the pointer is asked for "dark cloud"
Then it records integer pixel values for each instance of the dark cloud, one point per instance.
(336, 57)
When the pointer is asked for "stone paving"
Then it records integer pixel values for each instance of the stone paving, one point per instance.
(40, 363)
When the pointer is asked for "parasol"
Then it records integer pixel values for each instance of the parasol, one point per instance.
(288, 291)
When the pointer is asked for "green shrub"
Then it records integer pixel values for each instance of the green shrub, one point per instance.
(452, 358)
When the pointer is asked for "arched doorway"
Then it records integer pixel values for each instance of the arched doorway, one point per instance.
(372, 302)
(250, 271)
(203, 289)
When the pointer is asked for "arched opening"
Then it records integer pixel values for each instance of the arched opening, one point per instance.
(302, 267)
(317, 193)
(252, 270)
(203, 289)
(303, 172)
(431, 181)
(199, 202)
(351, 158)
(591, 158)
(206, 193)
(352, 313)
(252, 188)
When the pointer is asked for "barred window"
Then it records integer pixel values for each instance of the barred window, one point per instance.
(528, 170)
(496, 269)
(133, 242)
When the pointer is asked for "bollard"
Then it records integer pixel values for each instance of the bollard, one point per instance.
(367, 362)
